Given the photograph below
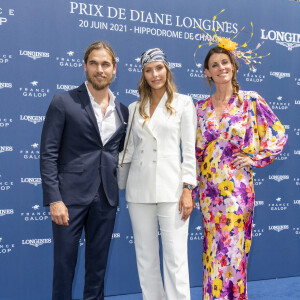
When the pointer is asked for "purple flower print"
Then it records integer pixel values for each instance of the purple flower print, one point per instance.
(227, 292)
(221, 249)
(210, 135)
(212, 190)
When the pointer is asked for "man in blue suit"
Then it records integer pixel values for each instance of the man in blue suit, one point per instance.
(83, 133)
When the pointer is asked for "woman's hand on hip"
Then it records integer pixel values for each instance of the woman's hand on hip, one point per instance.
(241, 160)
(186, 204)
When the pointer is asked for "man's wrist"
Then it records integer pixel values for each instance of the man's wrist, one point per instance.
(54, 202)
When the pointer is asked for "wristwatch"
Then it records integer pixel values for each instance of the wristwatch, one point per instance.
(188, 186)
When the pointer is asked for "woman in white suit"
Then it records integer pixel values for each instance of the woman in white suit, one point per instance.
(161, 178)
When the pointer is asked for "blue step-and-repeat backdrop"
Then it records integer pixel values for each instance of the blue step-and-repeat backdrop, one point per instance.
(42, 44)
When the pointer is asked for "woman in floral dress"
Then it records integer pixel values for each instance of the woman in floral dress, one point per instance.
(236, 131)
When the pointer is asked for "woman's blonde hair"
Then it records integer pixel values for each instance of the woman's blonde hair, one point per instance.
(145, 93)
(235, 84)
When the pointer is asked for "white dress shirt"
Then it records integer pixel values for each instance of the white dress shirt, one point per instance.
(108, 123)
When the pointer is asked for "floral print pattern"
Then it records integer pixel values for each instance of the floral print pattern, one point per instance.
(226, 194)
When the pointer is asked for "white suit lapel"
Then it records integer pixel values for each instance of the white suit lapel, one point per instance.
(141, 120)
(158, 116)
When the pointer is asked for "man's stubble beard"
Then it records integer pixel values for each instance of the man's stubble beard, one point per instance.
(99, 86)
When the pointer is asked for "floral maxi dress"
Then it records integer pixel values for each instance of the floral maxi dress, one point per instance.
(226, 194)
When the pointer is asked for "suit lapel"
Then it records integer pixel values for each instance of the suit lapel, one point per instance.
(87, 105)
(146, 126)
(158, 116)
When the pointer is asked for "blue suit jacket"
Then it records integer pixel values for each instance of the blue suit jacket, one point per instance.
(73, 160)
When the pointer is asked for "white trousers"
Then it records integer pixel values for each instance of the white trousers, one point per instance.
(174, 233)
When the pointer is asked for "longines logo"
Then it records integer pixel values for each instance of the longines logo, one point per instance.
(70, 61)
(257, 232)
(283, 156)
(4, 212)
(115, 235)
(4, 14)
(6, 149)
(36, 242)
(5, 122)
(32, 153)
(5, 185)
(199, 96)
(297, 102)
(280, 75)
(5, 58)
(279, 228)
(34, 54)
(33, 181)
(297, 152)
(66, 87)
(286, 39)
(297, 202)
(251, 77)
(6, 85)
(279, 205)
(286, 127)
(279, 178)
(5, 248)
(32, 119)
(33, 91)
(196, 73)
(259, 203)
(132, 92)
(173, 65)
(35, 214)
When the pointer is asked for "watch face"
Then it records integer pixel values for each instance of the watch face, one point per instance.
(188, 186)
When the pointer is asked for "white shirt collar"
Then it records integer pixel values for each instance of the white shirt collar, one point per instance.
(111, 104)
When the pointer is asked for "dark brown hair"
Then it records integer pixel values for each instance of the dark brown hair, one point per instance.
(233, 61)
(100, 45)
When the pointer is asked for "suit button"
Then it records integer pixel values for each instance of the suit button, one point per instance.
(142, 151)
(154, 161)
(154, 150)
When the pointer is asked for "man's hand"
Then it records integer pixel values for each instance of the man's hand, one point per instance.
(59, 213)
(186, 204)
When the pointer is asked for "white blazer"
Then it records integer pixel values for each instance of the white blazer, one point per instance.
(157, 172)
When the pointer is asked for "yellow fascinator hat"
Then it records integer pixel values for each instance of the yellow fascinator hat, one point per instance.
(240, 52)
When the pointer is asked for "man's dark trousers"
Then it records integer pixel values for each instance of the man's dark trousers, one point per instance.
(97, 219)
